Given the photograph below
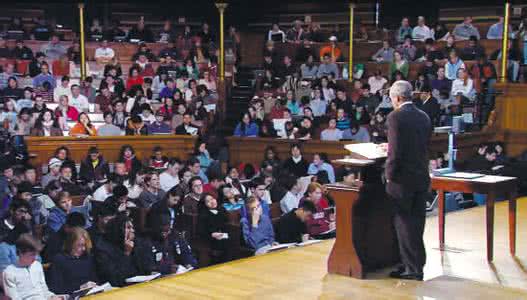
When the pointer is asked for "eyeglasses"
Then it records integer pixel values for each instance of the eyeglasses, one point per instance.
(22, 211)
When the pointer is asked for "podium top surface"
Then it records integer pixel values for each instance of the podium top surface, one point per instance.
(353, 162)
(342, 187)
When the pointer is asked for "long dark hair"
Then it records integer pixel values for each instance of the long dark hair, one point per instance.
(115, 230)
(40, 119)
(123, 149)
(242, 124)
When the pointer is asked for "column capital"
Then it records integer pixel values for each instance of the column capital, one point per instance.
(221, 6)
(352, 4)
(80, 5)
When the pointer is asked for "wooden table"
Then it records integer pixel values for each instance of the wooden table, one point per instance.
(492, 186)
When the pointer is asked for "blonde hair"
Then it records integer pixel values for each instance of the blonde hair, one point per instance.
(313, 186)
(76, 234)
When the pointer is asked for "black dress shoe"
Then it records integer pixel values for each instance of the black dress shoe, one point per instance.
(407, 276)
(398, 271)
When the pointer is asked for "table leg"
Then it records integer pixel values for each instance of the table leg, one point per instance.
(441, 204)
(490, 225)
(512, 222)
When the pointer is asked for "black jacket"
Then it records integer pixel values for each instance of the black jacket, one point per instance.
(90, 174)
(115, 267)
(68, 273)
(290, 228)
(181, 129)
(409, 131)
(432, 110)
(298, 169)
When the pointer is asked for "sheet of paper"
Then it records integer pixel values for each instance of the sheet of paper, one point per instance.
(181, 269)
(281, 246)
(367, 150)
(309, 242)
(100, 288)
(463, 175)
(145, 278)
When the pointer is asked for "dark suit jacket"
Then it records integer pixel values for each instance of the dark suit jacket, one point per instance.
(432, 109)
(409, 133)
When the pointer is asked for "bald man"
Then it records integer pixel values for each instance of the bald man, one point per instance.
(407, 178)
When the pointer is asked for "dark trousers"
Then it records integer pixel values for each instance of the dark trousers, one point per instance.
(409, 223)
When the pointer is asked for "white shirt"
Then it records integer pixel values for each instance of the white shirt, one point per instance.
(80, 103)
(26, 283)
(104, 53)
(289, 202)
(458, 86)
(376, 84)
(422, 33)
(60, 90)
(168, 181)
(101, 194)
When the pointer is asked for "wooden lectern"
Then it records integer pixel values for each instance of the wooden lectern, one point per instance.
(366, 237)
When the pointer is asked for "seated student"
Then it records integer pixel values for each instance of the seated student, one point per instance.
(385, 54)
(473, 51)
(169, 249)
(212, 223)
(214, 184)
(320, 164)
(246, 128)
(342, 122)
(291, 198)
(171, 205)
(296, 164)
(119, 201)
(291, 227)
(94, 168)
(191, 201)
(74, 267)
(228, 199)
(257, 228)
(120, 254)
(357, 133)
(108, 129)
(321, 221)
(102, 214)
(8, 255)
(130, 160)
(56, 240)
(152, 191)
(332, 133)
(25, 279)
(136, 126)
(58, 214)
(186, 128)
(46, 125)
(84, 127)
(169, 178)
(159, 126)
(465, 30)
(18, 214)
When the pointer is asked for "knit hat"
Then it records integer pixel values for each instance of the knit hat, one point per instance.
(54, 162)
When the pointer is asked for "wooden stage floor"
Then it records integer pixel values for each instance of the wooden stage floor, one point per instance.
(461, 272)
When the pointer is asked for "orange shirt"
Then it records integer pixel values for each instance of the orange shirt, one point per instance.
(79, 129)
(334, 52)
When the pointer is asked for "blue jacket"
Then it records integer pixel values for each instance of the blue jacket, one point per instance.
(258, 237)
(250, 131)
(156, 128)
(57, 218)
(314, 169)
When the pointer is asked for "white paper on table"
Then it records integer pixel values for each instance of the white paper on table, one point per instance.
(145, 278)
(281, 246)
(181, 269)
(100, 288)
(308, 242)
